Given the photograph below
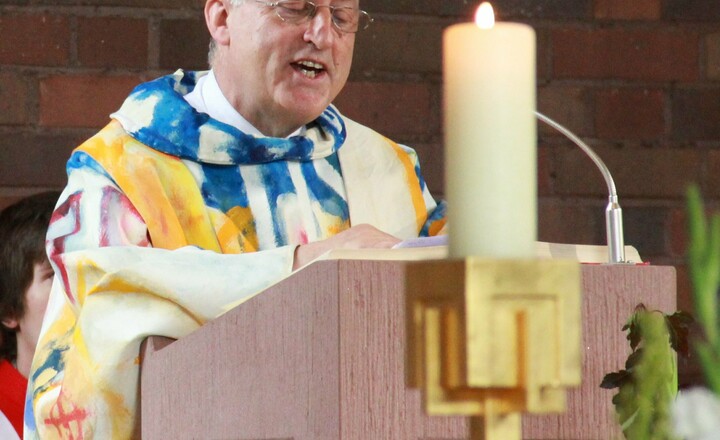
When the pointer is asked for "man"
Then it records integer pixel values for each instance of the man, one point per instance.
(205, 189)
(25, 279)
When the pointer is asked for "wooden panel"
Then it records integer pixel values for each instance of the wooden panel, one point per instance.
(376, 403)
(610, 294)
(256, 372)
(320, 356)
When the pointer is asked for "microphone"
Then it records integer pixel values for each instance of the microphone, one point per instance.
(613, 212)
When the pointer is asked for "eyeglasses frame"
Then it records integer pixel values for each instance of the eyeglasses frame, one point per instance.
(315, 7)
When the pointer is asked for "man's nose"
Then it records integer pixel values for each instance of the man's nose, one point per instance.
(321, 30)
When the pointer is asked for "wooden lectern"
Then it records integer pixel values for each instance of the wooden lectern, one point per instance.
(320, 356)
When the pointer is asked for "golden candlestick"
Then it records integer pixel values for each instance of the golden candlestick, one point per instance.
(502, 340)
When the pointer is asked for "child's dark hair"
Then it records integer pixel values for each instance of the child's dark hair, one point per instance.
(23, 227)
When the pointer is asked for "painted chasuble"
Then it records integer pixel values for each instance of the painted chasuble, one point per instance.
(170, 218)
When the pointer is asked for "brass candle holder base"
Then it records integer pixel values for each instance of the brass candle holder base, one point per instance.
(493, 339)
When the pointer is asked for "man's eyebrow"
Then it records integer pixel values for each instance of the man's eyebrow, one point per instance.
(346, 4)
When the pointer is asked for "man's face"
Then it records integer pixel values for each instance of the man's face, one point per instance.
(282, 73)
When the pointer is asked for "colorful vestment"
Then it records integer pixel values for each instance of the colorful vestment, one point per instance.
(170, 218)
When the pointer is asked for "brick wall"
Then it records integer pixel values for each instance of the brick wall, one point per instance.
(639, 80)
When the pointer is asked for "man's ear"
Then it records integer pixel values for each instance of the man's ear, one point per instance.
(10, 323)
(216, 18)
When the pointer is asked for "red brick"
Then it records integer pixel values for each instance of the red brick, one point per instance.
(184, 44)
(82, 101)
(701, 10)
(628, 10)
(152, 4)
(395, 110)
(571, 222)
(544, 56)
(432, 162)
(685, 299)
(34, 40)
(644, 228)
(712, 47)
(112, 42)
(654, 55)
(638, 172)
(695, 114)
(399, 47)
(677, 232)
(570, 106)
(544, 172)
(534, 9)
(505, 9)
(16, 195)
(419, 7)
(711, 185)
(15, 99)
(36, 160)
(630, 114)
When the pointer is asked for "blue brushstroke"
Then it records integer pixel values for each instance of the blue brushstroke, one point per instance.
(332, 202)
(223, 187)
(176, 127)
(277, 182)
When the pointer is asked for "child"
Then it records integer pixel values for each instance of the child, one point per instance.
(25, 280)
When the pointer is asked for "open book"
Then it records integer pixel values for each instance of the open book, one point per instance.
(435, 248)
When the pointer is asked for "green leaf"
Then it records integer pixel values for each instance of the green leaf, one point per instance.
(704, 264)
(634, 332)
(633, 359)
(615, 380)
(704, 269)
(679, 326)
(648, 384)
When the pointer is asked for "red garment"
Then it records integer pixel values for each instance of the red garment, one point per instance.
(12, 395)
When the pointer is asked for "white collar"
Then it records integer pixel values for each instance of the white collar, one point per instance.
(207, 98)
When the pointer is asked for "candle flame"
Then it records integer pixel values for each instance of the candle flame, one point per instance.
(485, 16)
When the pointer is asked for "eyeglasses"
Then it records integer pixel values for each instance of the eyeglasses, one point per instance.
(345, 18)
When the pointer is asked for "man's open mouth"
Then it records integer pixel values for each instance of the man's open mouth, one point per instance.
(308, 68)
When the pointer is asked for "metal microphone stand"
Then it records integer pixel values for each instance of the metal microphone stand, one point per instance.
(613, 212)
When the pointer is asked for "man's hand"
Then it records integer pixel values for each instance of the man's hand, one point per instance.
(357, 237)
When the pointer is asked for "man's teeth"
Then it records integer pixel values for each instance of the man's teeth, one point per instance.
(310, 69)
(311, 65)
(309, 73)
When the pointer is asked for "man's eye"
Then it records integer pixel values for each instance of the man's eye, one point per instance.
(344, 16)
(294, 7)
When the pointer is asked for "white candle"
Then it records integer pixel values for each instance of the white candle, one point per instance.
(490, 139)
